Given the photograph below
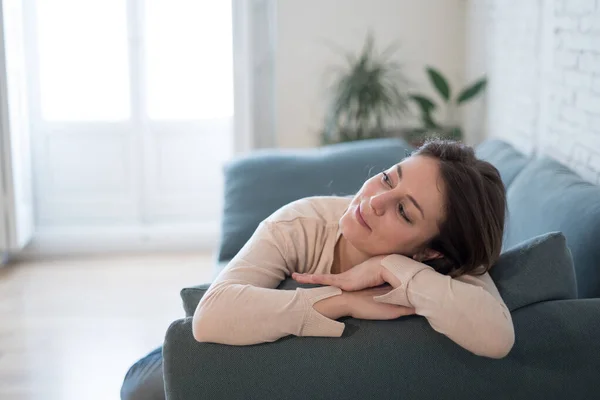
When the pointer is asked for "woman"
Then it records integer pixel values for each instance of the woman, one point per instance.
(417, 238)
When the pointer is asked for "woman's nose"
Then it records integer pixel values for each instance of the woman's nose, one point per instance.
(378, 202)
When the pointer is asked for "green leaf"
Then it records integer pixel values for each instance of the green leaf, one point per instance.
(471, 91)
(426, 106)
(399, 104)
(423, 102)
(428, 121)
(439, 82)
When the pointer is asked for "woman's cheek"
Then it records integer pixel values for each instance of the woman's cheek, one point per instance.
(395, 240)
(368, 187)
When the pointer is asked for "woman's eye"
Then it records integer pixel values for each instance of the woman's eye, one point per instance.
(403, 213)
(386, 179)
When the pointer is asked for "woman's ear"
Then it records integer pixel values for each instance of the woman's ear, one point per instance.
(427, 255)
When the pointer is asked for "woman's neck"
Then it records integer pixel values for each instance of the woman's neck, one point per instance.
(346, 256)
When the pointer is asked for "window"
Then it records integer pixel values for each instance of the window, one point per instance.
(132, 109)
(189, 59)
(182, 50)
(83, 66)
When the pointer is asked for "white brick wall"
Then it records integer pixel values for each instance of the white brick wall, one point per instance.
(589, 62)
(596, 84)
(543, 62)
(513, 70)
(577, 7)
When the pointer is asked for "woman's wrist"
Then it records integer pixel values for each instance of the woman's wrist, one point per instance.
(390, 278)
(334, 307)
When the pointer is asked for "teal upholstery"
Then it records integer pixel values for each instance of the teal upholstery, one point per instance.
(555, 357)
(550, 232)
(504, 157)
(191, 296)
(547, 196)
(538, 269)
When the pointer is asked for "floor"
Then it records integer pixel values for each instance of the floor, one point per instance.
(70, 329)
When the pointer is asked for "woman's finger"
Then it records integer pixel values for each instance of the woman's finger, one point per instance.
(302, 278)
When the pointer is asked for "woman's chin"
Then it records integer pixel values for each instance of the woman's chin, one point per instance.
(356, 234)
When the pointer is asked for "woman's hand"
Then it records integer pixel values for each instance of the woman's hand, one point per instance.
(365, 275)
(360, 305)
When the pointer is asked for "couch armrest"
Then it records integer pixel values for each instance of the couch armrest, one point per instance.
(556, 355)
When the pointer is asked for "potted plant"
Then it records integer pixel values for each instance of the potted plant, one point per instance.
(367, 96)
(450, 129)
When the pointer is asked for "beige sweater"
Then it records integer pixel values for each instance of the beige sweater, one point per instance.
(242, 306)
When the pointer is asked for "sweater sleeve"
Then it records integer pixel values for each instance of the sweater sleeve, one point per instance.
(242, 306)
(467, 309)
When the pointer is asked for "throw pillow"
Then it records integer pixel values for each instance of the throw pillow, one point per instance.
(538, 269)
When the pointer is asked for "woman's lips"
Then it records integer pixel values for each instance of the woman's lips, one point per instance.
(360, 218)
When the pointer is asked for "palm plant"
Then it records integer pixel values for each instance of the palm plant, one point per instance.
(368, 96)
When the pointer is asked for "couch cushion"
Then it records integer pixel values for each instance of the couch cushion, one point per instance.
(191, 296)
(504, 157)
(539, 269)
(547, 196)
(260, 183)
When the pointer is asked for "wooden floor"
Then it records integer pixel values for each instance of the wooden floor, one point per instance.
(70, 329)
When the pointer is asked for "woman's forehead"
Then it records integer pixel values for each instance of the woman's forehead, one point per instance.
(422, 175)
(422, 167)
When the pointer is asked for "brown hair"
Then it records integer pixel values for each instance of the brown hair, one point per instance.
(471, 233)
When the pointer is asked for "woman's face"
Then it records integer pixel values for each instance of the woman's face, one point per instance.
(396, 211)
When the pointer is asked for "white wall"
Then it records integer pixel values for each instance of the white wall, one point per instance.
(430, 32)
(543, 60)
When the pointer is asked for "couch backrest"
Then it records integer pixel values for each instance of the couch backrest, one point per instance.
(547, 196)
(504, 157)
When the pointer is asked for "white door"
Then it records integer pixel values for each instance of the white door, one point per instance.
(16, 200)
(132, 108)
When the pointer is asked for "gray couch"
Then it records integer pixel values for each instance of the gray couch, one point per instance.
(549, 276)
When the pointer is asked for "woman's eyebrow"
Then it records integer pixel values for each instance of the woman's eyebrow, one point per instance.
(412, 199)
